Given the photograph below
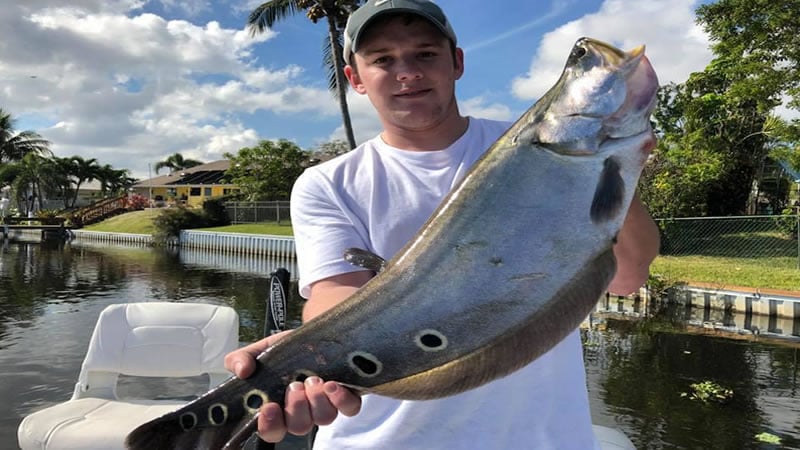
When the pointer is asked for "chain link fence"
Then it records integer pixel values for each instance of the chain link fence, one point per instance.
(255, 212)
(771, 237)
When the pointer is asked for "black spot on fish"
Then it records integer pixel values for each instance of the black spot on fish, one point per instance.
(431, 340)
(301, 377)
(217, 414)
(188, 421)
(365, 364)
(609, 193)
(254, 401)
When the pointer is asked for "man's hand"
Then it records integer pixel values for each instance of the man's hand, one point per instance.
(313, 402)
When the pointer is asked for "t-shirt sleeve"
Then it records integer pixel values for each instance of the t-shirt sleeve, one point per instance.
(323, 228)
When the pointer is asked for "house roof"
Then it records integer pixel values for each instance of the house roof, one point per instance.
(209, 173)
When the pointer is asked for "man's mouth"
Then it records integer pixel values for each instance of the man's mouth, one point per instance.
(412, 93)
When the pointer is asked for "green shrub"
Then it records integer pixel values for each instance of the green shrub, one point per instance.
(787, 222)
(171, 221)
(215, 212)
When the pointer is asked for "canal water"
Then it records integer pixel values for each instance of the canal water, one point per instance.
(640, 364)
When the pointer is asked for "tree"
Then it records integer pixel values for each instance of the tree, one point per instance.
(328, 150)
(79, 171)
(113, 181)
(176, 162)
(14, 146)
(336, 12)
(36, 178)
(716, 128)
(267, 171)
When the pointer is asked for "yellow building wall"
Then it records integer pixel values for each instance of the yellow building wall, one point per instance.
(192, 196)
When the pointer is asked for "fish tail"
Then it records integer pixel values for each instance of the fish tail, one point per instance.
(223, 417)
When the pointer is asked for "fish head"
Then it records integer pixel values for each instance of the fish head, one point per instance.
(604, 93)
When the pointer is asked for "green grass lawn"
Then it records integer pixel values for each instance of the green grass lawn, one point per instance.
(757, 273)
(716, 266)
(284, 229)
(136, 222)
(141, 222)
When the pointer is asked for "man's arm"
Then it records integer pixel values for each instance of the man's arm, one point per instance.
(637, 245)
(327, 293)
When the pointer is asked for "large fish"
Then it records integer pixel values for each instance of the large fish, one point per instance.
(525, 239)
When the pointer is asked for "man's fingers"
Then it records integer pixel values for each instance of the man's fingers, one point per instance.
(242, 361)
(271, 426)
(298, 411)
(343, 399)
(322, 411)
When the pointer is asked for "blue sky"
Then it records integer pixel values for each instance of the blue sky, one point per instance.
(129, 82)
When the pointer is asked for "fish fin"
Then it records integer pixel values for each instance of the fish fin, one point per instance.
(548, 326)
(610, 192)
(365, 258)
(166, 433)
(218, 418)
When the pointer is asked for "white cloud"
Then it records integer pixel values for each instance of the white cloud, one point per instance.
(676, 46)
(132, 89)
(476, 107)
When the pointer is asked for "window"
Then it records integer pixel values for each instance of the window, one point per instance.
(207, 192)
(194, 192)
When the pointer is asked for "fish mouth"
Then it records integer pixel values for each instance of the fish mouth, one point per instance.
(633, 115)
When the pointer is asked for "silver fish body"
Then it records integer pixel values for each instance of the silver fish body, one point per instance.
(525, 239)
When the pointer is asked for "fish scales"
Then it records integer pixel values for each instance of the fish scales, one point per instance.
(510, 263)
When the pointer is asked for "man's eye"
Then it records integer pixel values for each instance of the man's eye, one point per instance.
(380, 60)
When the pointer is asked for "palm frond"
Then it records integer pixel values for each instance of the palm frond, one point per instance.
(328, 62)
(268, 13)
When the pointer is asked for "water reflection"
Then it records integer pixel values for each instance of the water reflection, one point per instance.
(639, 359)
(639, 369)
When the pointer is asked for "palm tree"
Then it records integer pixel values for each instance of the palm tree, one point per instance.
(36, 177)
(14, 146)
(114, 181)
(336, 12)
(80, 170)
(176, 162)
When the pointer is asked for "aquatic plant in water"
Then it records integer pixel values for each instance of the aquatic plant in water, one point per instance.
(708, 391)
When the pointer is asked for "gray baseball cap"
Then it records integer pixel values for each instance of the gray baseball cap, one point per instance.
(361, 17)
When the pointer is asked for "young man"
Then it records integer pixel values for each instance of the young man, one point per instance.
(402, 54)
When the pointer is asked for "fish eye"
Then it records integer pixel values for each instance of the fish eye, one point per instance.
(578, 52)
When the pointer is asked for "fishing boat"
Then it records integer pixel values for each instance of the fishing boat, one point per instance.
(163, 340)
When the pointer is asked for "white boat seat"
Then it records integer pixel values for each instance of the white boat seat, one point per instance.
(612, 438)
(150, 339)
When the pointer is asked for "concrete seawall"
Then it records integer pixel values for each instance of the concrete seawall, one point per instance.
(751, 302)
(236, 243)
(784, 304)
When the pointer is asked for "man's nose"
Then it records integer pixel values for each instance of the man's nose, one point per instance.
(408, 70)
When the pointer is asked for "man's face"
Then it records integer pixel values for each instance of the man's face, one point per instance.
(407, 70)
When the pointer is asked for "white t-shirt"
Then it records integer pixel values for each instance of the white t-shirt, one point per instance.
(377, 197)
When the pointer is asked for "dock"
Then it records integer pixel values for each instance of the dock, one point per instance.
(48, 229)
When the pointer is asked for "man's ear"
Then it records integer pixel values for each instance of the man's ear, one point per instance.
(459, 62)
(354, 79)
